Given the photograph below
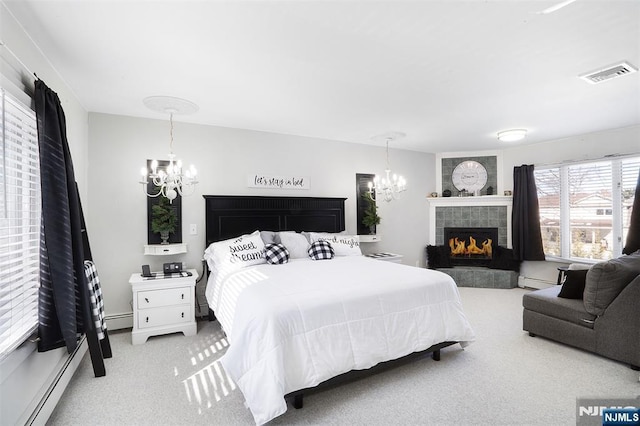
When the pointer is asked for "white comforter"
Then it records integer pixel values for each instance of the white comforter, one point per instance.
(296, 325)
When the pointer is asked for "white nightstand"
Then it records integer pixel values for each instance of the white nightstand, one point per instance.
(163, 305)
(388, 257)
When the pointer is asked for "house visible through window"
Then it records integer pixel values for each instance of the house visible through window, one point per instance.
(19, 223)
(585, 208)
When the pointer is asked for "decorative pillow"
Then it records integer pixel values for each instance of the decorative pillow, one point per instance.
(321, 250)
(605, 281)
(296, 243)
(343, 245)
(268, 237)
(276, 254)
(235, 253)
(573, 284)
(502, 258)
(439, 257)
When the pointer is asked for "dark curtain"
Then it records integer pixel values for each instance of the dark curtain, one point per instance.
(633, 237)
(63, 297)
(526, 235)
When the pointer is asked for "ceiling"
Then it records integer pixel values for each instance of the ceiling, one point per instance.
(449, 74)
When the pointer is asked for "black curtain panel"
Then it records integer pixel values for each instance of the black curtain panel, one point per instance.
(633, 237)
(63, 297)
(526, 235)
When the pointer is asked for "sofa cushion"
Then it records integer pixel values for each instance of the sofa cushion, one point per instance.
(605, 280)
(547, 302)
(573, 284)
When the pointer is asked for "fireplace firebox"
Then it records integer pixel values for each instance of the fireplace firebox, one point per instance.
(471, 246)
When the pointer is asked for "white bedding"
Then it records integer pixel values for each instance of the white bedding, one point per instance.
(296, 325)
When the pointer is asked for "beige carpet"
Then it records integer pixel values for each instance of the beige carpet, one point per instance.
(504, 378)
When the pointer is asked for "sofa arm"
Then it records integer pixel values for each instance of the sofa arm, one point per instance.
(618, 328)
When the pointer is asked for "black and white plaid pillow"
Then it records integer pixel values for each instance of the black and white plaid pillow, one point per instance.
(276, 254)
(321, 250)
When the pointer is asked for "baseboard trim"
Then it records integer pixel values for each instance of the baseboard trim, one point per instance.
(52, 395)
(119, 321)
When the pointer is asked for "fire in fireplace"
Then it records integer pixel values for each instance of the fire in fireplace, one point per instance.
(471, 246)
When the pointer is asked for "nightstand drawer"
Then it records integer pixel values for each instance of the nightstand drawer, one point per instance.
(164, 316)
(156, 298)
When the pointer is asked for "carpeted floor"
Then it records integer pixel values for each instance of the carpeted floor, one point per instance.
(505, 377)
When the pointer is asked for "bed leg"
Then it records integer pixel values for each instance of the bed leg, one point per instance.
(212, 316)
(297, 401)
(436, 355)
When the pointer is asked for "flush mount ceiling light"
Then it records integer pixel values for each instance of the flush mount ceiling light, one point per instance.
(512, 135)
(171, 180)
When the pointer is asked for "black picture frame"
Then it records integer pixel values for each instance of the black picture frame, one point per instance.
(154, 237)
(362, 187)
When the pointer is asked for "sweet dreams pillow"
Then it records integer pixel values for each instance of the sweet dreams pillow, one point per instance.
(343, 245)
(235, 253)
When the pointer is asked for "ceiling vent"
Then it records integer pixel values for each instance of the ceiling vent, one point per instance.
(613, 71)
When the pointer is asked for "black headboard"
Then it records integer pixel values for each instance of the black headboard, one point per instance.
(229, 216)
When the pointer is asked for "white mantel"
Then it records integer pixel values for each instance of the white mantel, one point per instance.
(486, 200)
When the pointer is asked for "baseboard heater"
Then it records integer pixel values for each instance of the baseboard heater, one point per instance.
(54, 392)
(536, 283)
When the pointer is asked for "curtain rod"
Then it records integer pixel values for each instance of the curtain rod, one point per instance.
(22, 64)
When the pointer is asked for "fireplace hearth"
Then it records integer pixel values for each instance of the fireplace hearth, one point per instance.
(471, 246)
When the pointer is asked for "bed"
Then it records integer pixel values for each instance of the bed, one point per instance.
(294, 326)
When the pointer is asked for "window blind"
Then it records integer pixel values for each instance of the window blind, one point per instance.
(20, 205)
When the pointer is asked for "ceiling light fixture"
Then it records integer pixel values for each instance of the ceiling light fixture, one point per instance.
(512, 135)
(169, 180)
(390, 186)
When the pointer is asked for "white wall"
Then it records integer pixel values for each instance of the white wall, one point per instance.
(119, 146)
(26, 374)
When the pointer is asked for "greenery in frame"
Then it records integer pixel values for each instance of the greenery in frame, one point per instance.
(163, 216)
(371, 217)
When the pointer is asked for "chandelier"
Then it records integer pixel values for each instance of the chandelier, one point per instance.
(390, 186)
(169, 179)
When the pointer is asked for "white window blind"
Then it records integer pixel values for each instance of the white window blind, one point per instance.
(19, 223)
(585, 208)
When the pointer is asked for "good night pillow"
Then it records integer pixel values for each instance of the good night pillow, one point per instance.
(235, 253)
(343, 245)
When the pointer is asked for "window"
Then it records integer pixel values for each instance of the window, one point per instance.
(585, 208)
(19, 223)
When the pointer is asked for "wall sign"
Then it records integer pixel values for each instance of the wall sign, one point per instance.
(258, 180)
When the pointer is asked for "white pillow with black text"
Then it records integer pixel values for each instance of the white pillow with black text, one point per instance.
(235, 253)
(344, 245)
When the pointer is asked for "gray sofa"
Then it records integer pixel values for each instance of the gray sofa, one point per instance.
(605, 321)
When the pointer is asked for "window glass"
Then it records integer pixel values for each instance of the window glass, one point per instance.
(590, 198)
(548, 184)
